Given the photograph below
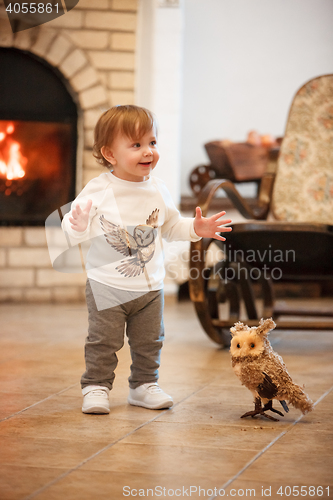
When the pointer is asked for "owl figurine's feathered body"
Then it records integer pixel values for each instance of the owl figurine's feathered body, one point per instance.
(263, 371)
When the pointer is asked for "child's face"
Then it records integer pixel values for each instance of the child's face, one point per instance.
(132, 160)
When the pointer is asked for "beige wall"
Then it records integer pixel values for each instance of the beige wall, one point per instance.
(243, 62)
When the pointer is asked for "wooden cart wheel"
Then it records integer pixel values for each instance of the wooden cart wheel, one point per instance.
(208, 291)
(210, 286)
(200, 176)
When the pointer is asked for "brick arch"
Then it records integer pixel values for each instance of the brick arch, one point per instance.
(82, 79)
(59, 50)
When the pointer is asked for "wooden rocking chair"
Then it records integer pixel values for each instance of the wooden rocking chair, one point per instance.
(297, 191)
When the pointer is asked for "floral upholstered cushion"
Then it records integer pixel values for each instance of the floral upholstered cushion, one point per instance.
(303, 189)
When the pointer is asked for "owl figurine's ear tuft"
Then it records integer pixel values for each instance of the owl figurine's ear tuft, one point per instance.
(265, 326)
(238, 327)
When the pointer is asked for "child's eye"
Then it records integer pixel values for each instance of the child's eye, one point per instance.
(153, 143)
(136, 145)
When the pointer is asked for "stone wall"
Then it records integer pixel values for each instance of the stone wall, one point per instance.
(93, 46)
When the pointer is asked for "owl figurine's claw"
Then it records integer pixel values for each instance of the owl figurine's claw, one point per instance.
(259, 410)
(269, 406)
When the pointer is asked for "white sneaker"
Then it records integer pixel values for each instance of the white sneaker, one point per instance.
(150, 396)
(95, 399)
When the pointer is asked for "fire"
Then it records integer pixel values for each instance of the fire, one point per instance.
(12, 162)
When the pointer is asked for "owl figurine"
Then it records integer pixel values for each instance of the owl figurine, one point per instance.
(263, 371)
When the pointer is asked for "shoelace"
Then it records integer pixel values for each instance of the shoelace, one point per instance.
(97, 392)
(154, 389)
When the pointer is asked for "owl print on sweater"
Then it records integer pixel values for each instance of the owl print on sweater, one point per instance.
(138, 248)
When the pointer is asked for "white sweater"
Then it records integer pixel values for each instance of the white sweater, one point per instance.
(127, 222)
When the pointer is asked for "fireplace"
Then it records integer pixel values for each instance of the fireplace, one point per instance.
(38, 139)
(55, 81)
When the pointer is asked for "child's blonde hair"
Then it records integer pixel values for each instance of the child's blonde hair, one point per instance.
(133, 121)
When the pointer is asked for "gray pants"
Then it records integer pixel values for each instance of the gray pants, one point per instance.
(143, 317)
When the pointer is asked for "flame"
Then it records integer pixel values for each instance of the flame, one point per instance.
(12, 162)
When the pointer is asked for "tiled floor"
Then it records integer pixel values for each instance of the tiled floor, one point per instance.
(198, 449)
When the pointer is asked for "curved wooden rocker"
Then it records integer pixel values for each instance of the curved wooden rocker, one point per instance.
(297, 246)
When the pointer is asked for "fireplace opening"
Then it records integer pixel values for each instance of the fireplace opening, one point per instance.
(38, 139)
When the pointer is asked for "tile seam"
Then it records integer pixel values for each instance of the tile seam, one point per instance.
(110, 445)
(261, 452)
(37, 403)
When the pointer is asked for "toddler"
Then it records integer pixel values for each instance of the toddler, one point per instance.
(124, 213)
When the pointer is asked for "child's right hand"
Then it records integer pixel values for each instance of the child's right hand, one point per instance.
(80, 218)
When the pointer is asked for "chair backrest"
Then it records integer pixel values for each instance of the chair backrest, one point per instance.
(303, 188)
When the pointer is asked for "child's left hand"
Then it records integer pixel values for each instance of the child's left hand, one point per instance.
(208, 227)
